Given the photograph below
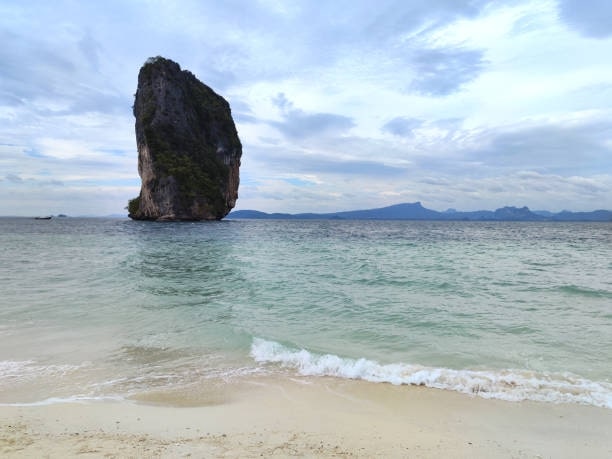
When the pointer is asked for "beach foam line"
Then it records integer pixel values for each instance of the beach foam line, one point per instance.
(509, 385)
(71, 399)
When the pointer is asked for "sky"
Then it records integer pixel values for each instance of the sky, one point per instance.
(339, 105)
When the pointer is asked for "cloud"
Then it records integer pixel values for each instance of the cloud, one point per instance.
(562, 148)
(350, 167)
(282, 102)
(591, 19)
(297, 124)
(91, 50)
(52, 183)
(13, 178)
(280, 161)
(402, 126)
(242, 111)
(49, 82)
(440, 72)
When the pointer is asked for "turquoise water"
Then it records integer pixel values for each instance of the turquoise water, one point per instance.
(94, 308)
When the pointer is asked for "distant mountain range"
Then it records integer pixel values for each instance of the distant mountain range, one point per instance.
(415, 211)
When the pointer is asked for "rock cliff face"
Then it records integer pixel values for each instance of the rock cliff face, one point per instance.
(188, 148)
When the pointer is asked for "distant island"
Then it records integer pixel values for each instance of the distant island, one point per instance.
(415, 211)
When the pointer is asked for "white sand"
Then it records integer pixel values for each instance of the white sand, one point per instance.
(308, 418)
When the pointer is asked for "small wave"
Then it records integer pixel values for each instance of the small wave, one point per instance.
(584, 291)
(28, 369)
(509, 385)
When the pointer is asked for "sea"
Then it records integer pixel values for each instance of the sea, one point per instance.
(96, 309)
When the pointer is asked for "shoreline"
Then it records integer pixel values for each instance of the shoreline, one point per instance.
(306, 417)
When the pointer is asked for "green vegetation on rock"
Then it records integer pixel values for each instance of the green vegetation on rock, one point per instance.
(133, 206)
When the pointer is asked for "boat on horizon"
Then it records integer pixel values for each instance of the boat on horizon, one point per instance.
(46, 217)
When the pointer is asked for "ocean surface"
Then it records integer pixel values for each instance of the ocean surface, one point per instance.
(113, 308)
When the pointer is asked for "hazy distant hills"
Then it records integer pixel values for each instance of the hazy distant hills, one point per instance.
(415, 211)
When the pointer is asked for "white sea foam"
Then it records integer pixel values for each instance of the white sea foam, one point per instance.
(12, 368)
(510, 385)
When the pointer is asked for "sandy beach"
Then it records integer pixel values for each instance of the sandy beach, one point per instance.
(322, 417)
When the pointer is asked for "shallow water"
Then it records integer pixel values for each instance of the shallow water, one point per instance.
(111, 307)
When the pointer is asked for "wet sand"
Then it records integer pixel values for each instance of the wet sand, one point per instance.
(306, 417)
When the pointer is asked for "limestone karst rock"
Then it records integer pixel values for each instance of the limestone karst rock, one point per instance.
(188, 147)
